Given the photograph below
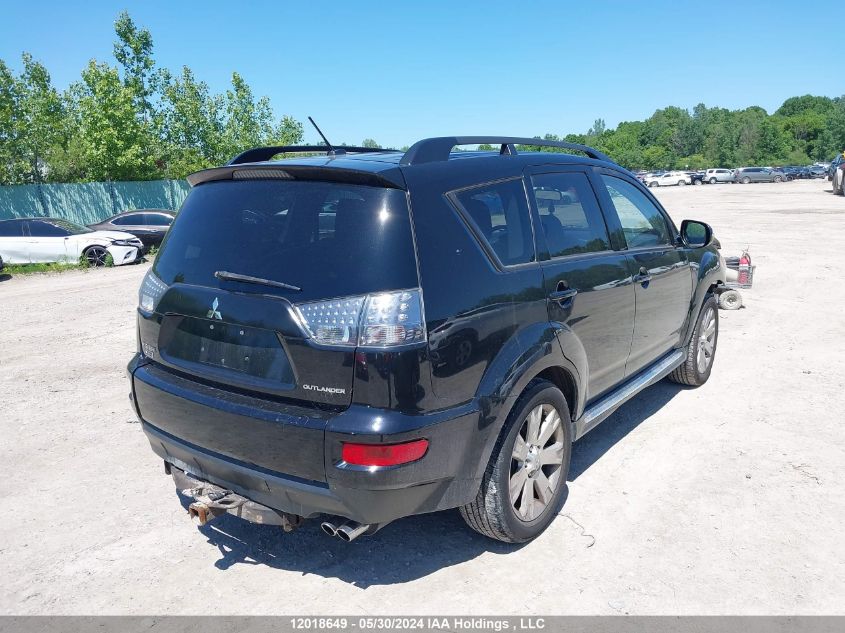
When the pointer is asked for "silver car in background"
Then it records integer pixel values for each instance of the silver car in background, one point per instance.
(719, 174)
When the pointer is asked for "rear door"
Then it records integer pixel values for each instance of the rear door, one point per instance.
(14, 246)
(660, 268)
(261, 284)
(47, 242)
(587, 282)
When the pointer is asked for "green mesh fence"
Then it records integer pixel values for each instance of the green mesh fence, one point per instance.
(90, 202)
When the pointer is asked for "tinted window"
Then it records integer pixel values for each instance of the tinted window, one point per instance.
(642, 223)
(46, 229)
(157, 219)
(12, 228)
(569, 214)
(499, 212)
(128, 220)
(330, 239)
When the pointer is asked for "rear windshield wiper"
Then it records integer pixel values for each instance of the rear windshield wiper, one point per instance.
(247, 279)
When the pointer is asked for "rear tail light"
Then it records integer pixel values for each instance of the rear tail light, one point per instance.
(383, 454)
(387, 319)
(151, 291)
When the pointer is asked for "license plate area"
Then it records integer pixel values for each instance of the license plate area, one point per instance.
(225, 348)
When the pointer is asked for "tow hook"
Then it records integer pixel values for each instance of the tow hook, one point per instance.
(210, 501)
(213, 503)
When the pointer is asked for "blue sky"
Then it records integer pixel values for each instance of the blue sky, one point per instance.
(400, 71)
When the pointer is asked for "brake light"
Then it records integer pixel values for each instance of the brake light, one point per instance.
(383, 454)
(151, 291)
(386, 319)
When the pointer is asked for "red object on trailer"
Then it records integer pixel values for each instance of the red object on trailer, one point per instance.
(744, 267)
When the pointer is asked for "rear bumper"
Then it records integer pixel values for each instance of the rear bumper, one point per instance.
(291, 462)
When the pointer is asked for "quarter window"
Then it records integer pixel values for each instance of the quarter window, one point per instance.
(499, 214)
(569, 214)
(642, 222)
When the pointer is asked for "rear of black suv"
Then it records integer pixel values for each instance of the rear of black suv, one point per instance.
(282, 350)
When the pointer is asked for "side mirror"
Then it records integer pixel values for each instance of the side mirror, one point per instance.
(695, 234)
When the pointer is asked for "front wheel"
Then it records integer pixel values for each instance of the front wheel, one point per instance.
(701, 350)
(652, 184)
(778, 179)
(95, 256)
(524, 485)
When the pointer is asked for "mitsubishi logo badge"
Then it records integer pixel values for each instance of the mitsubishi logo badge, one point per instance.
(214, 313)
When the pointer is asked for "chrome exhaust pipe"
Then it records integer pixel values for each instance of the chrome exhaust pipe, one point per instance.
(350, 530)
(329, 528)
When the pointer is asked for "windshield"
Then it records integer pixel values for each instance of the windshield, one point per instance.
(71, 227)
(327, 239)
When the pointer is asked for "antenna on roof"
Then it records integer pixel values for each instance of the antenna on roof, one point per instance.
(332, 150)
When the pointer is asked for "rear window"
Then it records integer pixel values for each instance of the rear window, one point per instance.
(329, 239)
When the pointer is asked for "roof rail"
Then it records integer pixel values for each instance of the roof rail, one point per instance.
(431, 150)
(259, 154)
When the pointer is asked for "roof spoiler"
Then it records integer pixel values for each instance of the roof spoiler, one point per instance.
(261, 154)
(437, 149)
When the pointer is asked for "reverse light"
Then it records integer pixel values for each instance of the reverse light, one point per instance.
(386, 319)
(383, 454)
(151, 291)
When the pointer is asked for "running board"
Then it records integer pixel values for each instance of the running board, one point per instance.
(597, 412)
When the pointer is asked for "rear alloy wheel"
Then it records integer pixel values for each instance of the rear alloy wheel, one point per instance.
(701, 350)
(96, 256)
(712, 181)
(681, 183)
(652, 184)
(524, 485)
(746, 180)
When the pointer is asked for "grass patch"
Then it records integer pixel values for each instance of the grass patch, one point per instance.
(27, 269)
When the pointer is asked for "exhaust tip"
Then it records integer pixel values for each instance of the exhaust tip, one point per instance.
(350, 530)
(329, 528)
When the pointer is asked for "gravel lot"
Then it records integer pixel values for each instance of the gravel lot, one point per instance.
(724, 499)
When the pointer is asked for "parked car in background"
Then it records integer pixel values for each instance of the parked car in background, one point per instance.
(718, 174)
(669, 178)
(148, 225)
(696, 177)
(747, 175)
(54, 240)
(817, 171)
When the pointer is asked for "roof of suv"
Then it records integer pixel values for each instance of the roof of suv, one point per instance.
(380, 162)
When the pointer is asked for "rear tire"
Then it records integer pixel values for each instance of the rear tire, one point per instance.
(681, 183)
(701, 350)
(652, 184)
(712, 181)
(746, 180)
(730, 300)
(524, 485)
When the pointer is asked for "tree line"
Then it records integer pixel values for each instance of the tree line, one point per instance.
(133, 120)
(803, 130)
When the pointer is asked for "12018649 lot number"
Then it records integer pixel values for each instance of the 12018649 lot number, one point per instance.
(418, 623)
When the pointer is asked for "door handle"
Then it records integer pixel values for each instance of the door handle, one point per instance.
(563, 293)
(643, 277)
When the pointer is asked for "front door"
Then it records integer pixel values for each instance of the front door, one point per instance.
(662, 276)
(588, 283)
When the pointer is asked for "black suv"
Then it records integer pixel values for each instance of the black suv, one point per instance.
(369, 334)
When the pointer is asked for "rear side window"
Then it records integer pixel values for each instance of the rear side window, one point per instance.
(329, 239)
(157, 219)
(569, 214)
(46, 229)
(499, 213)
(128, 220)
(13, 228)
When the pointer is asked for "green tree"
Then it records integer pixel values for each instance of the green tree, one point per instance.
(368, 142)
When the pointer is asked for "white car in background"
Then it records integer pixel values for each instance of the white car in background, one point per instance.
(53, 240)
(668, 179)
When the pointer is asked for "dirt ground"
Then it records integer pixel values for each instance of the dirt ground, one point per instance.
(724, 499)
